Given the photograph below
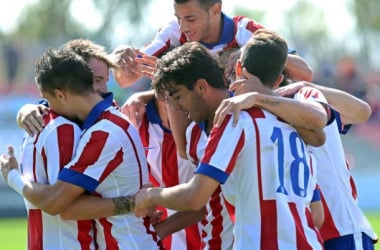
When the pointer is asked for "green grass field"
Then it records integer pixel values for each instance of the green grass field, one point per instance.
(13, 231)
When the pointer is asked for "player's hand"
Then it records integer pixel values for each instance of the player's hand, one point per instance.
(142, 203)
(30, 118)
(8, 162)
(248, 83)
(125, 57)
(234, 105)
(156, 217)
(134, 108)
(146, 64)
(290, 89)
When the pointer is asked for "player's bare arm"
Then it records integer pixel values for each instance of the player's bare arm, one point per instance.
(190, 196)
(52, 199)
(352, 109)
(178, 221)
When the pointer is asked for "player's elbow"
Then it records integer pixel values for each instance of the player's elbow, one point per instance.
(318, 219)
(68, 215)
(319, 121)
(317, 213)
(318, 139)
(365, 112)
(51, 210)
(52, 207)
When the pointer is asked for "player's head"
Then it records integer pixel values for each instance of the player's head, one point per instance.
(58, 72)
(182, 76)
(96, 57)
(199, 20)
(264, 56)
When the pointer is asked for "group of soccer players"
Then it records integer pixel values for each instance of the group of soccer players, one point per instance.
(216, 156)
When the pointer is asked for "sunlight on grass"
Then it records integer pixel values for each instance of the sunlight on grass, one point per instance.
(13, 231)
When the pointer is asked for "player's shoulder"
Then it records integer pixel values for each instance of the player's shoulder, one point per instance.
(54, 120)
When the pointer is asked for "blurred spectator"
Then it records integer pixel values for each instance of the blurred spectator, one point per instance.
(373, 95)
(324, 75)
(348, 77)
(11, 56)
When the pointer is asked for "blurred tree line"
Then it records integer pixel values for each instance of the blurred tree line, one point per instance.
(50, 23)
(307, 30)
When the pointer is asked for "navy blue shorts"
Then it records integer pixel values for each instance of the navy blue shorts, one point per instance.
(347, 242)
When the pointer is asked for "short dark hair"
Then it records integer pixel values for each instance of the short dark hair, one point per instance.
(184, 65)
(65, 70)
(205, 4)
(264, 56)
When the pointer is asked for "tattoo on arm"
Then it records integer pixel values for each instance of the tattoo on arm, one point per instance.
(123, 205)
(270, 102)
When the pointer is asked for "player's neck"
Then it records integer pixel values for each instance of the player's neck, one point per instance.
(84, 104)
(219, 96)
(161, 108)
(214, 33)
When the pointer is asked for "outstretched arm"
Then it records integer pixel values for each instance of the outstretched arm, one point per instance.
(190, 196)
(62, 198)
(307, 117)
(352, 109)
(88, 207)
(178, 221)
(52, 199)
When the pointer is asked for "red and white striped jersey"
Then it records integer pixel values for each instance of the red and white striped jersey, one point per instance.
(110, 162)
(236, 32)
(263, 166)
(166, 169)
(217, 231)
(343, 216)
(42, 157)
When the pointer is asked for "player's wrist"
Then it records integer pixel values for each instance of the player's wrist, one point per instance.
(16, 181)
(123, 205)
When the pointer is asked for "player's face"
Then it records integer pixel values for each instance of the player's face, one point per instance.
(100, 71)
(195, 22)
(59, 103)
(190, 102)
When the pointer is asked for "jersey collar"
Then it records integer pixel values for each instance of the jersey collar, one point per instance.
(97, 110)
(228, 32)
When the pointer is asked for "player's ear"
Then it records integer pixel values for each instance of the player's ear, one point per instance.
(200, 85)
(238, 69)
(216, 9)
(280, 78)
(60, 95)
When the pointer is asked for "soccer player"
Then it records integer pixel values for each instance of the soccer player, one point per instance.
(166, 168)
(109, 160)
(345, 225)
(270, 203)
(202, 21)
(42, 158)
(30, 116)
